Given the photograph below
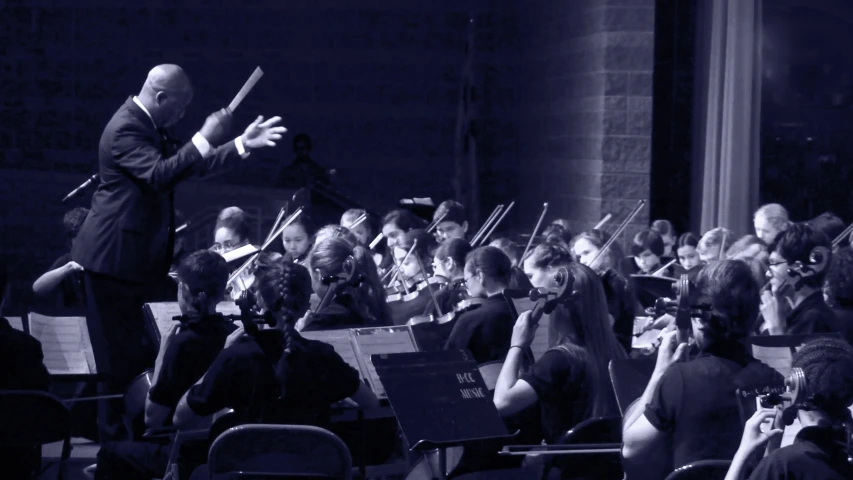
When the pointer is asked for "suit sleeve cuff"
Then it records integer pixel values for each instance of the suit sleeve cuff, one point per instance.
(241, 149)
(201, 144)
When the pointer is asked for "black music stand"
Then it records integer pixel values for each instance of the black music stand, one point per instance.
(440, 401)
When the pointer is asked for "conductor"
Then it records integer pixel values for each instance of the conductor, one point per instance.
(126, 242)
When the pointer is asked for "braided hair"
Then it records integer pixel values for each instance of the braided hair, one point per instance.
(285, 288)
(828, 367)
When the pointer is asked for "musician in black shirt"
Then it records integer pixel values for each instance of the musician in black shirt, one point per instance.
(820, 449)
(63, 281)
(487, 329)
(186, 352)
(692, 404)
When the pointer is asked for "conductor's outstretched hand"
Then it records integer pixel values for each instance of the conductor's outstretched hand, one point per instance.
(262, 133)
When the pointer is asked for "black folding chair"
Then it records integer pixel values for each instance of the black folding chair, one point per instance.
(701, 470)
(28, 420)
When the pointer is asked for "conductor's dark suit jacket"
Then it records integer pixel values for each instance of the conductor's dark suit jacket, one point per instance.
(129, 232)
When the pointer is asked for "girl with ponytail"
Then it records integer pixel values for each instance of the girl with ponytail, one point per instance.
(570, 381)
(361, 304)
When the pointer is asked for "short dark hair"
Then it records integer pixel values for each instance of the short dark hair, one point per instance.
(647, 240)
(455, 248)
(234, 219)
(729, 289)
(828, 367)
(402, 219)
(455, 212)
(306, 223)
(551, 254)
(302, 137)
(73, 220)
(829, 223)
(796, 244)
(688, 239)
(205, 272)
(491, 261)
(426, 247)
(663, 227)
(839, 278)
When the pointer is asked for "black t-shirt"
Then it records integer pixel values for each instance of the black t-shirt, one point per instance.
(188, 356)
(695, 402)
(22, 360)
(817, 452)
(621, 304)
(812, 315)
(486, 331)
(562, 383)
(845, 323)
(242, 378)
(338, 314)
(69, 294)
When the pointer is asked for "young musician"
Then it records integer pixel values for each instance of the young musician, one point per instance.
(667, 233)
(796, 285)
(838, 290)
(126, 242)
(412, 276)
(455, 222)
(544, 260)
(186, 352)
(556, 233)
(820, 449)
(396, 223)
(688, 258)
(361, 305)
(231, 230)
(364, 230)
(621, 300)
(449, 262)
(297, 238)
(746, 247)
(65, 274)
(830, 224)
(688, 411)
(486, 330)
(711, 246)
(571, 381)
(769, 221)
(647, 249)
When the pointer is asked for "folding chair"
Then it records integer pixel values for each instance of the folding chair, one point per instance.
(629, 378)
(701, 470)
(283, 451)
(30, 419)
(592, 431)
(490, 372)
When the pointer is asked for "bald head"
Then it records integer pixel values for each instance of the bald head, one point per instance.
(166, 94)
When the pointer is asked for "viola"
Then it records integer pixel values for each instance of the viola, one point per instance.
(347, 277)
(461, 307)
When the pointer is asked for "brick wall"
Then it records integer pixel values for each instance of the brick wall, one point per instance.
(374, 82)
(585, 103)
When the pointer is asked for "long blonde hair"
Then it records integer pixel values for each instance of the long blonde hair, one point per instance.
(582, 330)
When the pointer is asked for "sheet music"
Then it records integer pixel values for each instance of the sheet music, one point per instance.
(778, 358)
(16, 323)
(647, 340)
(377, 341)
(341, 341)
(164, 312)
(65, 343)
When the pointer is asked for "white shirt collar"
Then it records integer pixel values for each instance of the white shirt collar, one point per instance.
(138, 102)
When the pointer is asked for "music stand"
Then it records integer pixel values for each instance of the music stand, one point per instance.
(440, 401)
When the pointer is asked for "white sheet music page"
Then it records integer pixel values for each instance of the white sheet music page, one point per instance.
(16, 323)
(65, 343)
(777, 358)
(163, 313)
(379, 340)
(341, 341)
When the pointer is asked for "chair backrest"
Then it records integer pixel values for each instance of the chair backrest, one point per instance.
(701, 470)
(594, 430)
(629, 378)
(490, 372)
(32, 418)
(279, 449)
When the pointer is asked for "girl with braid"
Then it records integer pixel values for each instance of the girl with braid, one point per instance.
(821, 449)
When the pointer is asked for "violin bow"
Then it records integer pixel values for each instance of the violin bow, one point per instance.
(663, 268)
(722, 247)
(841, 236)
(275, 224)
(602, 222)
(400, 270)
(619, 230)
(432, 226)
(535, 230)
(497, 222)
(428, 285)
(267, 243)
(358, 221)
(376, 241)
(485, 225)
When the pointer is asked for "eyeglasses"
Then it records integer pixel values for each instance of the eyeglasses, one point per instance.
(465, 280)
(776, 264)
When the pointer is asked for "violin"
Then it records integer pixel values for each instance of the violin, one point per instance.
(548, 299)
(347, 277)
(461, 307)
